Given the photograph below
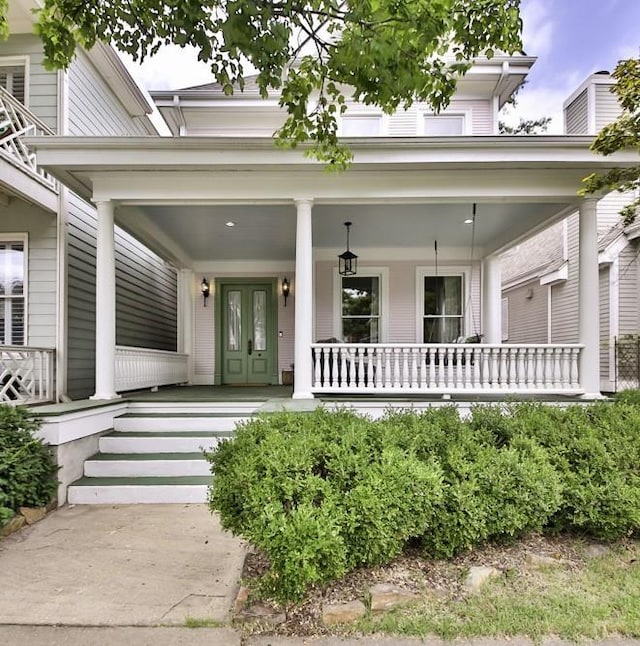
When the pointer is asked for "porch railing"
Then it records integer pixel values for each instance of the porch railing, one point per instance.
(17, 122)
(445, 368)
(26, 374)
(145, 368)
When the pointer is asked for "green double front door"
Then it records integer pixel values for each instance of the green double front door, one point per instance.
(247, 333)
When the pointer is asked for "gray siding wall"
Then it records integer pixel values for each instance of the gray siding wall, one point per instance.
(43, 85)
(93, 107)
(605, 314)
(576, 115)
(609, 208)
(564, 297)
(19, 218)
(145, 297)
(528, 313)
(607, 106)
(628, 290)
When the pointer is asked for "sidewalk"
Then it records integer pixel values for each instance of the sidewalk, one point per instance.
(133, 574)
(126, 565)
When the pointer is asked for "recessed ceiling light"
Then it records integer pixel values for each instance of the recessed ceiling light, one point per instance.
(230, 224)
(468, 221)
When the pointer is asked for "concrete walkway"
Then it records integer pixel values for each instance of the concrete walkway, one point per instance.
(133, 574)
(129, 565)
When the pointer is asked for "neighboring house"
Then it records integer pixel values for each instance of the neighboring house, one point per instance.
(541, 276)
(218, 220)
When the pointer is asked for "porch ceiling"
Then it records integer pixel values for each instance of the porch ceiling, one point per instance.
(267, 232)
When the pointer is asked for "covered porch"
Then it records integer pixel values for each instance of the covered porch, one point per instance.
(178, 196)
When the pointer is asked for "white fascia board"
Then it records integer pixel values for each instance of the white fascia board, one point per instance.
(117, 76)
(613, 250)
(557, 276)
(632, 232)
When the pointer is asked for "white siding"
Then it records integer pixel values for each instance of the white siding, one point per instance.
(528, 313)
(20, 217)
(605, 314)
(576, 115)
(402, 313)
(607, 106)
(43, 84)
(564, 305)
(609, 210)
(628, 290)
(93, 107)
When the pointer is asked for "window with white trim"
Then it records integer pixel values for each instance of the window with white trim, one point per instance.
(442, 308)
(439, 125)
(13, 77)
(361, 125)
(360, 309)
(12, 291)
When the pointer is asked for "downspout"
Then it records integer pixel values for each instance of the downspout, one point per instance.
(504, 73)
(180, 115)
(61, 358)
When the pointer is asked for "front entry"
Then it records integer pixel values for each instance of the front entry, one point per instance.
(247, 327)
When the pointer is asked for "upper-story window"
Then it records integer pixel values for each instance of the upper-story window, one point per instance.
(361, 125)
(436, 125)
(13, 77)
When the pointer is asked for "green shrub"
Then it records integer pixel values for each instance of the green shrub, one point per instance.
(27, 472)
(320, 493)
(630, 396)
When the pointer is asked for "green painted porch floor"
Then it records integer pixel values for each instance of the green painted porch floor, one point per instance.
(212, 394)
(107, 457)
(181, 415)
(142, 481)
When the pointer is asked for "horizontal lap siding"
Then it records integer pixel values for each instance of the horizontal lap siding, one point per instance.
(607, 106)
(402, 306)
(564, 304)
(609, 208)
(528, 313)
(628, 290)
(576, 115)
(605, 311)
(43, 84)
(20, 217)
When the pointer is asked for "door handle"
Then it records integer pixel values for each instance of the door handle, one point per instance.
(250, 346)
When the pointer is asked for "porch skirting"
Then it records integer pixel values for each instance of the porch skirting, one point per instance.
(446, 368)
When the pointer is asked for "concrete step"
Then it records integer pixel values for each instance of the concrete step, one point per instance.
(178, 422)
(113, 491)
(160, 442)
(146, 464)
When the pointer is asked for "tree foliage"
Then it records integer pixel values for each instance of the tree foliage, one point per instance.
(525, 127)
(624, 133)
(314, 53)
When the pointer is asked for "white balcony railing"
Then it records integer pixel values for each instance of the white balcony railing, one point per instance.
(145, 368)
(445, 368)
(26, 374)
(17, 122)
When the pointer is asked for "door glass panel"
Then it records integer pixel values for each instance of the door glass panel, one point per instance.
(234, 320)
(260, 320)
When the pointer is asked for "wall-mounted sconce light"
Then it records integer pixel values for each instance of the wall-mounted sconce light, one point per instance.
(348, 260)
(286, 289)
(204, 288)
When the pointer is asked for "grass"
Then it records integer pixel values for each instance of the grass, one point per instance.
(600, 599)
(204, 622)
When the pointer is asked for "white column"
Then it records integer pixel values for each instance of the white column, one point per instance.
(303, 301)
(589, 299)
(185, 303)
(491, 300)
(105, 304)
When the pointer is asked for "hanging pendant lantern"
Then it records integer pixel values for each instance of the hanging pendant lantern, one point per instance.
(348, 260)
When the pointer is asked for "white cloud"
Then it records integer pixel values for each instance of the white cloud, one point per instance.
(171, 68)
(538, 103)
(537, 27)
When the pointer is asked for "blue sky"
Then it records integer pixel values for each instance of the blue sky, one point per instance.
(571, 38)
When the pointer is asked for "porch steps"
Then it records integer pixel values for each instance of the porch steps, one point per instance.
(154, 454)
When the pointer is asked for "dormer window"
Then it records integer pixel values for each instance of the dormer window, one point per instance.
(13, 77)
(361, 125)
(444, 125)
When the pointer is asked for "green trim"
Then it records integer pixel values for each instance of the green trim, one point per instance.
(145, 457)
(142, 434)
